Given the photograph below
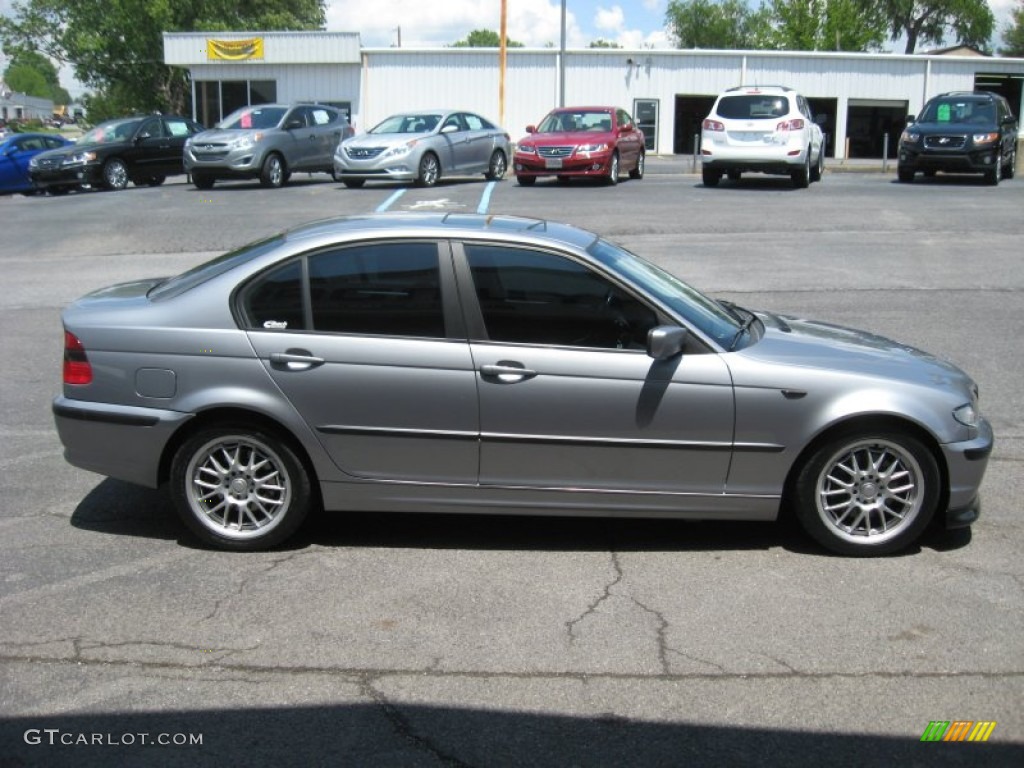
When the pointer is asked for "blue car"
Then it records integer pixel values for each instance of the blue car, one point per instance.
(15, 152)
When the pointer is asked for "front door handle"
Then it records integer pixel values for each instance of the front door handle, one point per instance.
(295, 360)
(507, 372)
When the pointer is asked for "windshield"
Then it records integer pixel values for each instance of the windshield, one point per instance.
(111, 133)
(958, 111)
(259, 118)
(576, 120)
(173, 286)
(407, 124)
(702, 312)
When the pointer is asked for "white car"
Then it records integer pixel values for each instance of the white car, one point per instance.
(768, 129)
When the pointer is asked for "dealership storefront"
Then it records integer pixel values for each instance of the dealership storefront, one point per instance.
(866, 98)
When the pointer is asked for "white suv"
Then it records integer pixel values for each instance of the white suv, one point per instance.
(766, 128)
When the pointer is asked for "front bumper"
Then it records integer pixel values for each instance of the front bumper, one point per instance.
(67, 176)
(966, 463)
(918, 159)
(400, 169)
(119, 441)
(244, 164)
(576, 165)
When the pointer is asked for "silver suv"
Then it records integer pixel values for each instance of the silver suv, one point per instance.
(763, 128)
(268, 142)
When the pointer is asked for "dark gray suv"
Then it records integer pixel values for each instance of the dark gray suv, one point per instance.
(961, 132)
(267, 142)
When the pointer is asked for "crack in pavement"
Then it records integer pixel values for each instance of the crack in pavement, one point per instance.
(244, 584)
(592, 608)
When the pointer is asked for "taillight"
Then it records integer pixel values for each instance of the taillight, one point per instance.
(77, 369)
(790, 125)
(713, 125)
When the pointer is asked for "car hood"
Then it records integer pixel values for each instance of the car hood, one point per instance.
(815, 344)
(563, 138)
(223, 135)
(373, 140)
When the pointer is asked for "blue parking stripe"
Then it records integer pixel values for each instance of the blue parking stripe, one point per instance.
(388, 203)
(485, 201)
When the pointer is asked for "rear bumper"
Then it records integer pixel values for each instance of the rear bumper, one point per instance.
(124, 442)
(780, 159)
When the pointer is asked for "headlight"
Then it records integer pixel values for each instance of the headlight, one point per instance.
(401, 149)
(909, 137)
(586, 149)
(80, 158)
(527, 149)
(985, 138)
(967, 414)
(246, 141)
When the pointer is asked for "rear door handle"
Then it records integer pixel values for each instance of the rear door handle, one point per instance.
(507, 372)
(295, 360)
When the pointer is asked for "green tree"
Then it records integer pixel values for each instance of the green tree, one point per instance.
(485, 38)
(116, 46)
(824, 25)
(1013, 33)
(723, 24)
(33, 74)
(602, 43)
(928, 21)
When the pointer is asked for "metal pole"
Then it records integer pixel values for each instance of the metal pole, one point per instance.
(885, 153)
(696, 151)
(561, 62)
(502, 53)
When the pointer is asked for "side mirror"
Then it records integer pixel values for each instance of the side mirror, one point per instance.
(450, 129)
(531, 129)
(294, 124)
(665, 341)
(910, 119)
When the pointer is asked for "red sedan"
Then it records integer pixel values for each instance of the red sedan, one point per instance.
(595, 142)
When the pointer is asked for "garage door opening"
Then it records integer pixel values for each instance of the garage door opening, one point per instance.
(870, 124)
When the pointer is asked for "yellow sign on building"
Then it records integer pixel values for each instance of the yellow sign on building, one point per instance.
(234, 50)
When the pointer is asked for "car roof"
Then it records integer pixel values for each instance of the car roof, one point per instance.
(465, 225)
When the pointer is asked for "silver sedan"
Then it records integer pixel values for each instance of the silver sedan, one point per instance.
(422, 147)
(465, 363)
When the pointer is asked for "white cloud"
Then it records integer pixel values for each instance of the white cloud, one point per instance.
(610, 19)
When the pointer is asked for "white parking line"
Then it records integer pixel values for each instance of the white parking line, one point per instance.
(391, 200)
(485, 199)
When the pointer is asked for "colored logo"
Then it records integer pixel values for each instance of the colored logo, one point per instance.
(958, 730)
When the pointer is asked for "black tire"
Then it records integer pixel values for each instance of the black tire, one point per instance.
(1010, 167)
(526, 181)
(115, 174)
(710, 178)
(802, 175)
(58, 191)
(239, 488)
(819, 167)
(202, 180)
(867, 494)
(429, 170)
(155, 181)
(735, 175)
(638, 172)
(354, 183)
(497, 166)
(613, 171)
(905, 175)
(993, 176)
(273, 174)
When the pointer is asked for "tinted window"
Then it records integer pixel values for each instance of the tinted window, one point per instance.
(274, 301)
(173, 286)
(752, 107)
(540, 298)
(391, 289)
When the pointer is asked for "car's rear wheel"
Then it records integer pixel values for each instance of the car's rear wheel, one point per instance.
(905, 175)
(354, 183)
(239, 488)
(1010, 167)
(638, 172)
(273, 173)
(115, 174)
(430, 170)
(497, 166)
(819, 166)
(202, 180)
(868, 494)
(802, 175)
(613, 170)
(526, 181)
(710, 178)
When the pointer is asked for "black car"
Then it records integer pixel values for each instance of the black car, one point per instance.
(144, 150)
(961, 132)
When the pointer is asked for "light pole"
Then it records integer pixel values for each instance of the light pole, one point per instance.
(561, 62)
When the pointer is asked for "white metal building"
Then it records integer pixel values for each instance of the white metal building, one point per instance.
(866, 97)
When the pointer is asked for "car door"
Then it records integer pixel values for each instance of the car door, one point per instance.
(149, 150)
(176, 130)
(569, 399)
(629, 140)
(298, 142)
(359, 338)
(458, 144)
(327, 127)
(14, 162)
(479, 142)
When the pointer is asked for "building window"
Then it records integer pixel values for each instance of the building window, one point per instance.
(216, 99)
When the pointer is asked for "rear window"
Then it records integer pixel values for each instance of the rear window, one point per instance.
(753, 107)
(186, 281)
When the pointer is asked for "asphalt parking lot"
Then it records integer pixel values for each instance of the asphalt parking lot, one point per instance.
(450, 641)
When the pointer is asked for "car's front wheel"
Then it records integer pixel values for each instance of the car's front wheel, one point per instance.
(497, 166)
(273, 173)
(239, 488)
(868, 494)
(115, 174)
(430, 170)
(526, 181)
(905, 175)
(202, 180)
(613, 170)
(354, 183)
(993, 176)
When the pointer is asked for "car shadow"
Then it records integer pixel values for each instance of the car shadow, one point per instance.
(753, 184)
(948, 179)
(117, 508)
